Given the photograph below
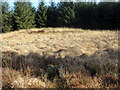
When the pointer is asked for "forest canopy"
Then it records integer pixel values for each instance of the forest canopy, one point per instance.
(86, 15)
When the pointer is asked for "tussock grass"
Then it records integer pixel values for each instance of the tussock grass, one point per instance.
(60, 58)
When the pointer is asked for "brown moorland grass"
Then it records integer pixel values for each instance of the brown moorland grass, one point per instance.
(60, 58)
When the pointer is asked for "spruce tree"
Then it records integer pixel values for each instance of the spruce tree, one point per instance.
(24, 15)
(52, 15)
(41, 15)
(66, 15)
(0, 17)
(6, 18)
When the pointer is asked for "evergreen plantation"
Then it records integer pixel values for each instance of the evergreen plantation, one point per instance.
(86, 15)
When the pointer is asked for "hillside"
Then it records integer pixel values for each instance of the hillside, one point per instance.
(90, 54)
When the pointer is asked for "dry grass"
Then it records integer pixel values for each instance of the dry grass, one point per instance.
(60, 58)
(15, 79)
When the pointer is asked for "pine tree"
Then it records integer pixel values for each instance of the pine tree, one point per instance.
(6, 18)
(66, 15)
(41, 15)
(24, 15)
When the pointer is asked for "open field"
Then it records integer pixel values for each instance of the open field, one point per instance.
(60, 58)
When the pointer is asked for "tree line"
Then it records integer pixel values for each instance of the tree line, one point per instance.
(86, 15)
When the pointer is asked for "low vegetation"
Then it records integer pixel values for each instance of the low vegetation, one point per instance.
(60, 58)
